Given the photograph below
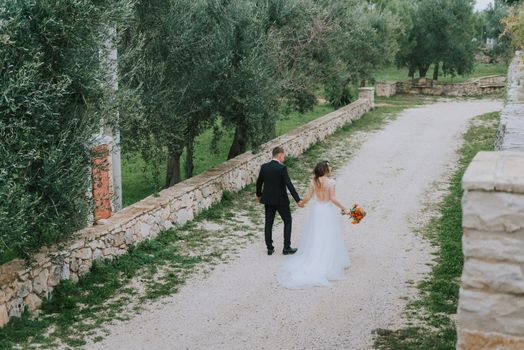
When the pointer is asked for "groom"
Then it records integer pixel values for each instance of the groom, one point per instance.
(274, 179)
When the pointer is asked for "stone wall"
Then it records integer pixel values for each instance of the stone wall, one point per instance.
(423, 86)
(491, 303)
(25, 286)
(386, 88)
(511, 130)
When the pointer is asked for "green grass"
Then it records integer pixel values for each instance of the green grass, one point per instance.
(480, 70)
(138, 183)
(430, 318)
(79, 312)
(294, 119)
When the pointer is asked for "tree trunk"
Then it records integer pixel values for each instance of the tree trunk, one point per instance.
(189, 159)
(435, 71)
(363, 83)
(173, 167)
(411, 72)
(422, 71)
(239, 144)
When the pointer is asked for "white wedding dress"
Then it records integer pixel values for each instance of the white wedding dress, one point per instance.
(321, 255)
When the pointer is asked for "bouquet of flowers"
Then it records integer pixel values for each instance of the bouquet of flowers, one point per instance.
(356, 214)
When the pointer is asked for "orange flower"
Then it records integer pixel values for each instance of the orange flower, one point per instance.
(356, 214)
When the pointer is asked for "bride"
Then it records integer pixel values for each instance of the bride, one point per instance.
(322, 254)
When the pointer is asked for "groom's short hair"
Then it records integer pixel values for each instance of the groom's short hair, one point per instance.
(277, 150)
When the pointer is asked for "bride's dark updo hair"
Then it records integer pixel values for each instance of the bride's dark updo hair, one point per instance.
(320, 170)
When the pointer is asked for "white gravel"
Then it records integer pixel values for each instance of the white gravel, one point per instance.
(240, 305)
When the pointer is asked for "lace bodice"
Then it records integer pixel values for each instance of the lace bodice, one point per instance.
(323, 194)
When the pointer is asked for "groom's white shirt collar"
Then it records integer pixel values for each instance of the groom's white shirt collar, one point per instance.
(276, 160)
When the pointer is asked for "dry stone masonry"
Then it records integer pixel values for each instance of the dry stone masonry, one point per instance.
(491, 302)
(424, 86)
(23, 286)
(511, 131)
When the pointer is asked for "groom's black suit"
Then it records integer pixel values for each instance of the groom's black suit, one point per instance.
(271, 189)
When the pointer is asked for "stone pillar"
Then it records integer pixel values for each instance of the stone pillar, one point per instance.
(491, 302)
(511, 129)
(109, 60)
(367, 93)
(116, 165)
(386, 88)
(101, 180)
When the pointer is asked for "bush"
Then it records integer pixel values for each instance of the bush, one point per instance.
(339, 96)
(49, 110)
(514, 25)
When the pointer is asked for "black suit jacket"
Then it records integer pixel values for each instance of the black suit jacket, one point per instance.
(272, 182)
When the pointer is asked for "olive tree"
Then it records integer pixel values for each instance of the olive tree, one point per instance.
(53, 100)
(441, 35)
(173, 54)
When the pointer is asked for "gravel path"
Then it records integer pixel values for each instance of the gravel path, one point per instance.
(240, 306)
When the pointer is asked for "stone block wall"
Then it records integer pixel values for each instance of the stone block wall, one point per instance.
(423, 86)
(491, 303)
(24, 286)
(511, 130)
(386, 88)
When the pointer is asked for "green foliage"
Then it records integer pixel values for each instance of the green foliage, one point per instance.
(241, 61)
(248, 100)
(51, 104)
(442, 32)
(190, 62)
(490, 25)
(403, 9)
(514, 25)
(341, 95)
(173, 56)
(493, 16)
(361, 40)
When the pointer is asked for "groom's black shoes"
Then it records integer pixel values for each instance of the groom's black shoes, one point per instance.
(270, 251)
(289, 250)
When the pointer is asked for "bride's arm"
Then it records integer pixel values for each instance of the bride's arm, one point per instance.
(334, 200)
(309, 194)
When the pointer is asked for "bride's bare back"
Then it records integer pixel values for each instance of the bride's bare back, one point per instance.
(324, 191)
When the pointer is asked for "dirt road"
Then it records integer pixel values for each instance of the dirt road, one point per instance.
(240, 305)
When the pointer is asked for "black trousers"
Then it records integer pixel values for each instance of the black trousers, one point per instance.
(285, 213)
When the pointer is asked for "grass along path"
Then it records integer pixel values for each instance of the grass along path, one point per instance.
(430, 317)
(480, 70)
(116, 290)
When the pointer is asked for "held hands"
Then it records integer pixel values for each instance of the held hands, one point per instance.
(300, 203)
